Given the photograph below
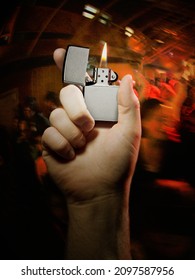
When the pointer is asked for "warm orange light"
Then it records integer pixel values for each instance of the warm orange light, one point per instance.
(103, 61)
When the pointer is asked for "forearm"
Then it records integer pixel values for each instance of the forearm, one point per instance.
(99, 229)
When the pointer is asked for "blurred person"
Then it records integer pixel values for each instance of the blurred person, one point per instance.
(154, 92)
(159, 156)
(153, 134)
(35, 119)
(142, 86)
(41, 169)
(51, 102)
(93, 164)
(167, 93)
(189, 106)
(180, 87)
(146, 88)
(23, 131)
(160, 218)
(187, 132)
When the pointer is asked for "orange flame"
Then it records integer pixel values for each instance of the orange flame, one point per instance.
(103, 61)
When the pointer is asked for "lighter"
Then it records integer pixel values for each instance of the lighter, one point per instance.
(99, 93)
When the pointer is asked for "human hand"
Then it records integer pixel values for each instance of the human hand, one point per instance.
(85, 159)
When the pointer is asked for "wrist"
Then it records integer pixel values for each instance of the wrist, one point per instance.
(99, 228)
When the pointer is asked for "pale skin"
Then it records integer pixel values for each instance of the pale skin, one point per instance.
(93, 164)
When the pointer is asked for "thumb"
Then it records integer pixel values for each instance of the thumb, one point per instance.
(128, 106)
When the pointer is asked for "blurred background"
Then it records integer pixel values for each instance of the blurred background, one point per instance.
(153, 34)
(152, 40)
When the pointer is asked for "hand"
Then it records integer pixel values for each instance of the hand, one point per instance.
(93, 164)
(87, 160)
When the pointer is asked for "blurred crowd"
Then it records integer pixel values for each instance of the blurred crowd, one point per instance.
(162, 200)
(32, 206)
(168, 113)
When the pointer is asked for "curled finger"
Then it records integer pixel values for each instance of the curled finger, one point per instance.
(60, 120)
(53, 141)
(73, 102)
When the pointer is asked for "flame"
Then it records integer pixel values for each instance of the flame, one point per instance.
(103, 61)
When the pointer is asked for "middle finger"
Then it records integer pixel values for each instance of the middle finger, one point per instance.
(60, 120)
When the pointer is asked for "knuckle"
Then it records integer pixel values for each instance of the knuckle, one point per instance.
(61, 145)
(79, 116)
(76, 136)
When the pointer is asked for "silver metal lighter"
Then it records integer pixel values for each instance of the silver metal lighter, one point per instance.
(99, 93)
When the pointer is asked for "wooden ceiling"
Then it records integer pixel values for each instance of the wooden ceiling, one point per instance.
(164, 31)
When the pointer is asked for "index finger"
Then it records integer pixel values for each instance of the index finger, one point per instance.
(73, 102)
(72, 99)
